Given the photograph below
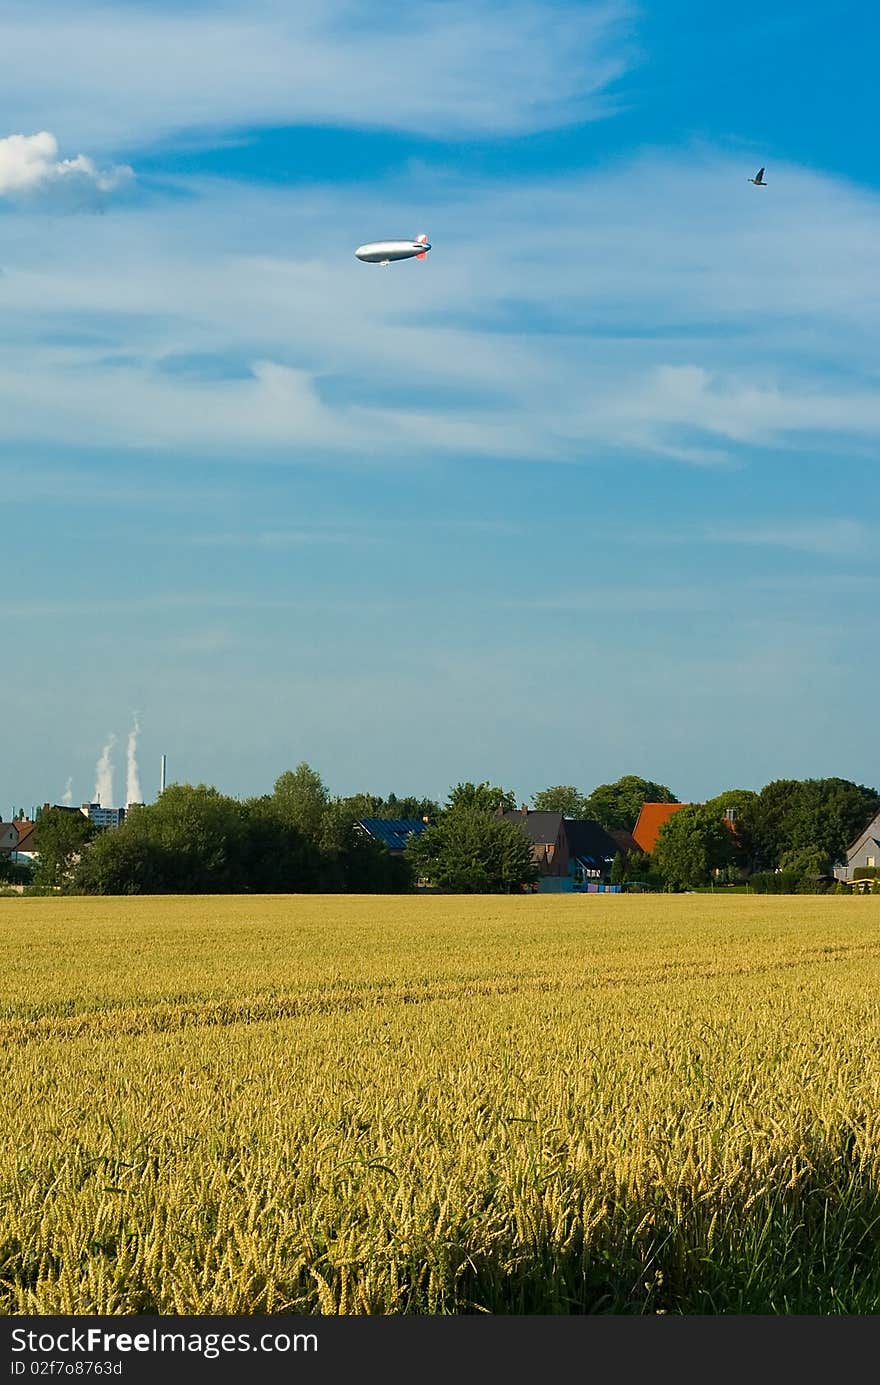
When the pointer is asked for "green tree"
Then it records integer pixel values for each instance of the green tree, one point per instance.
(301, 799)
(632, 866)
(60, 839)
(278, 857)
(125, 861)
(795, 814)
(193, 840)
(408, 807)
(740, 800)
(616, 806)
(806, 862)
(486, 797)
(367, 805)
(204, 831)
(691, 845)
(561, 798)
(748, 855)
(471, 851)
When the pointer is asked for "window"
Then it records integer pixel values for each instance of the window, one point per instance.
(871, 861)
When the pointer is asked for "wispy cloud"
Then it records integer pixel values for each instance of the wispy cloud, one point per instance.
(127, 74)
(825, 538)
(637, 342)
(282, 538)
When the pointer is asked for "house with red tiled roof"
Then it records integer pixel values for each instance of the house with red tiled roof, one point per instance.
(651, 818)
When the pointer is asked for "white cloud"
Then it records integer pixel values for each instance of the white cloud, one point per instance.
(30, 167)
(121, 75)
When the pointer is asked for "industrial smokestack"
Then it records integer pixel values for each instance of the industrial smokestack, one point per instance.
(163, 764)
(133, 783)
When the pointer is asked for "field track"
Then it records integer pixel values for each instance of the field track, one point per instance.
(427, 1104)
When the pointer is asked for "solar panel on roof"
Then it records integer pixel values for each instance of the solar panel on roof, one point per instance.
(393, 832)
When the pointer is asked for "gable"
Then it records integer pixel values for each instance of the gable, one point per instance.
(543, 829)
(651, 818)
(589, 843)
(864, 839)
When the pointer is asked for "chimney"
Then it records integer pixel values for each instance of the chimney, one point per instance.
(524, 809)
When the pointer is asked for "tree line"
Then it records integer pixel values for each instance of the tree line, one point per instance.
(796, 829)
(299, 838)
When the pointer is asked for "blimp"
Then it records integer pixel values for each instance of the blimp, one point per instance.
(384, 251)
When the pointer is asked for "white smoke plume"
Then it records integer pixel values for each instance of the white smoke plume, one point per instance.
(29, 166)
(104, 776)
(67, 796)
(132, 782)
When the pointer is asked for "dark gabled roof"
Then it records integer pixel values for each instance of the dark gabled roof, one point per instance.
(623, 840)
(393, 832)
(588, 841)
(540, 828)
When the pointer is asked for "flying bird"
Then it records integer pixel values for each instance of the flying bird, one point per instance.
(384, 251)
(759, 179)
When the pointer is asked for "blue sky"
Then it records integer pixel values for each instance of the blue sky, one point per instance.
(590, 492)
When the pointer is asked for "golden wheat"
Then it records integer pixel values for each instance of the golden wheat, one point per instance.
(385, 1105)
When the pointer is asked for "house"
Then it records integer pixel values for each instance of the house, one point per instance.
(25, 848)
(394, 833)
(591, 850)
(546, 832)
(568, 851)
(651, 818)
(864, 851)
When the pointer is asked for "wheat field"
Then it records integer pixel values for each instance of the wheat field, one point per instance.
(440, 1105)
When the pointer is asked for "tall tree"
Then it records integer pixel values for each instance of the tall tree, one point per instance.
(471, 851)
(561, 798)
(301, 799)
(616, 806)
